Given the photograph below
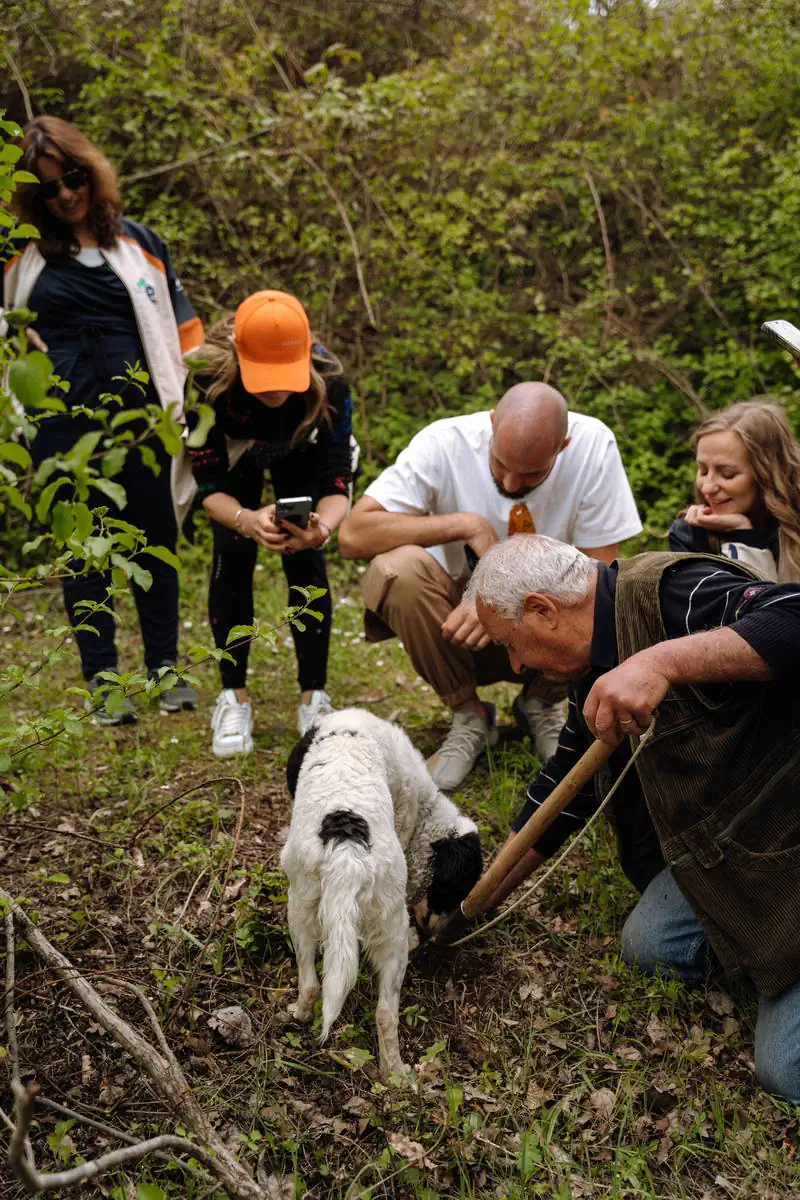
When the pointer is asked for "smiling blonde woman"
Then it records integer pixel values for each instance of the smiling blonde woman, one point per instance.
(747, 491)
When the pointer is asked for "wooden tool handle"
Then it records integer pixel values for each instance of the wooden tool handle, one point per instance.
(586, 766)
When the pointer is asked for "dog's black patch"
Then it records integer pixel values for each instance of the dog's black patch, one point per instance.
(457, 864)
(343, 825)
(295, 760)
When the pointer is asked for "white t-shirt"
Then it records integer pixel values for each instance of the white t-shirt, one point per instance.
(586, 499)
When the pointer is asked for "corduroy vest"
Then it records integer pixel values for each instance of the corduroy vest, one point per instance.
(721, 781)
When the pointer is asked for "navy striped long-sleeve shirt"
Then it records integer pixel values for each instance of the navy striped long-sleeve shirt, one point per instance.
(696, 595)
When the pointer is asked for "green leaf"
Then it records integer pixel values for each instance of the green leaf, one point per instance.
(164, 554)
(149, 1191)
(59, 877)
(114, 491)
(206, 419)
(13, 452)
(83, 521)
(240, 631)
(114, 461)
(46, 498)
(25, 230)
(98, 547)
(63, 520)
(140, 576)
(124, 564)
(82, 451)
(24, 177)
(29, 378)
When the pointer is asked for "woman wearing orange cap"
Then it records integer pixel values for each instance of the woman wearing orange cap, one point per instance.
(286, 399)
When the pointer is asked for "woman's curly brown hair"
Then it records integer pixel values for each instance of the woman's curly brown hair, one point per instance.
(63, 144)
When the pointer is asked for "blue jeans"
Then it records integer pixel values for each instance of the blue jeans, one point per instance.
(662, 934)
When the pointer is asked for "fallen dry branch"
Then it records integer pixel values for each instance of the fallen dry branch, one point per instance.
(21, 1161)
(161, 1067)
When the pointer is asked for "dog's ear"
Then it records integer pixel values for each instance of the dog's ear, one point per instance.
(296, 757)
(457, 864)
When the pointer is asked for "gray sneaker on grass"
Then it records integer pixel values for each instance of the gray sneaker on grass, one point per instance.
(468, 738)
(124, 715)
(181, 695)
(542, 722)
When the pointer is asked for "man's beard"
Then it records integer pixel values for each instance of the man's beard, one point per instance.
(516, 495)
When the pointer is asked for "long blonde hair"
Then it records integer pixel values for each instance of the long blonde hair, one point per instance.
(223, 369)
(774, 457)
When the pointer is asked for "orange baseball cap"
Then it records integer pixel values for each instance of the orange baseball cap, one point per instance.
(273, 343)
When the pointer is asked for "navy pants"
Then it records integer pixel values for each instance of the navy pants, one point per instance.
(149, 507)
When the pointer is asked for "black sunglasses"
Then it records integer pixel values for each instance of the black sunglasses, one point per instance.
(72, 180)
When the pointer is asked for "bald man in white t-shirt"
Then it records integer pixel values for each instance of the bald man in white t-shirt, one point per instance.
(531, 466)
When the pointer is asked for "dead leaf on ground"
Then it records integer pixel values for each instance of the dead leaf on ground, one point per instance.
(720, 1003)
(233, 1025)
(413, 1151)
(276, 1187)
(603, 1101)
(536, 1096)
(657, 1032)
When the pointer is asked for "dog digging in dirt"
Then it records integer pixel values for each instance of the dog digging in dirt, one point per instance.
(370, 836)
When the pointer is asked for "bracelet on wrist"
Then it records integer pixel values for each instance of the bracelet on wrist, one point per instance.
(327, 538)
(237, 523)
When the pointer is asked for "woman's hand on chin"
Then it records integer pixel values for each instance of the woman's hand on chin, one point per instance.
(702, 516)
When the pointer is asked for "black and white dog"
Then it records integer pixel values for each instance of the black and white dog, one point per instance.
(370, 835)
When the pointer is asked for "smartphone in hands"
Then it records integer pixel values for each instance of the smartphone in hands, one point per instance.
(296, 509)
(785, 334)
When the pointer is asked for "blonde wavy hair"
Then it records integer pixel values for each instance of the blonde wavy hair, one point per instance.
(219, 352)
(774, 457)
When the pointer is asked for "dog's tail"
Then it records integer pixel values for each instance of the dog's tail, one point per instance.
(348, 866)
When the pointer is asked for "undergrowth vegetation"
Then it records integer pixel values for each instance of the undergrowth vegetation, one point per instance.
(546, 1067)
(605, 195)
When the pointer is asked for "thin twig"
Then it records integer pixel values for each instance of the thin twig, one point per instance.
(15, 71)
(111, 1131)
(334, 195)
(186, 990)
(23, 1165)
(195, 788)
(84, 837)
(11, 1029)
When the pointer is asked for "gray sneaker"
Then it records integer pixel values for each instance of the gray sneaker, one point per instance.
(468, 738)
(542, 722)
(181, 695)
(124, 715)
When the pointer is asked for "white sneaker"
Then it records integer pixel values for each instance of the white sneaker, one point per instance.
(469, 736)
(308, 714)
(232, 723)
(542, 722)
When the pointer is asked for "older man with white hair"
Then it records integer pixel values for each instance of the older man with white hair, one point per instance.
(708, 821)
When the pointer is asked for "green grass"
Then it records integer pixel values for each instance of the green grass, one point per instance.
(546, 1067)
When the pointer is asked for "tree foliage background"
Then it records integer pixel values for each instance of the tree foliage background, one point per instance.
(606, 195)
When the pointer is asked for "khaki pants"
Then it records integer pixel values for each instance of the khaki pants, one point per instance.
(408, 594)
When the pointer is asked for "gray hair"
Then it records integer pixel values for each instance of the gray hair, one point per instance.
(529, 562)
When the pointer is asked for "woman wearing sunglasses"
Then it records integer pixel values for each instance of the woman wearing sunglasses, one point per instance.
(105, 295)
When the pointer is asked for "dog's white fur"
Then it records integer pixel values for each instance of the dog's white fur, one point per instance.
(343, 892)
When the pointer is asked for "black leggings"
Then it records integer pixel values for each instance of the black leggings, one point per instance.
(230, 593)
